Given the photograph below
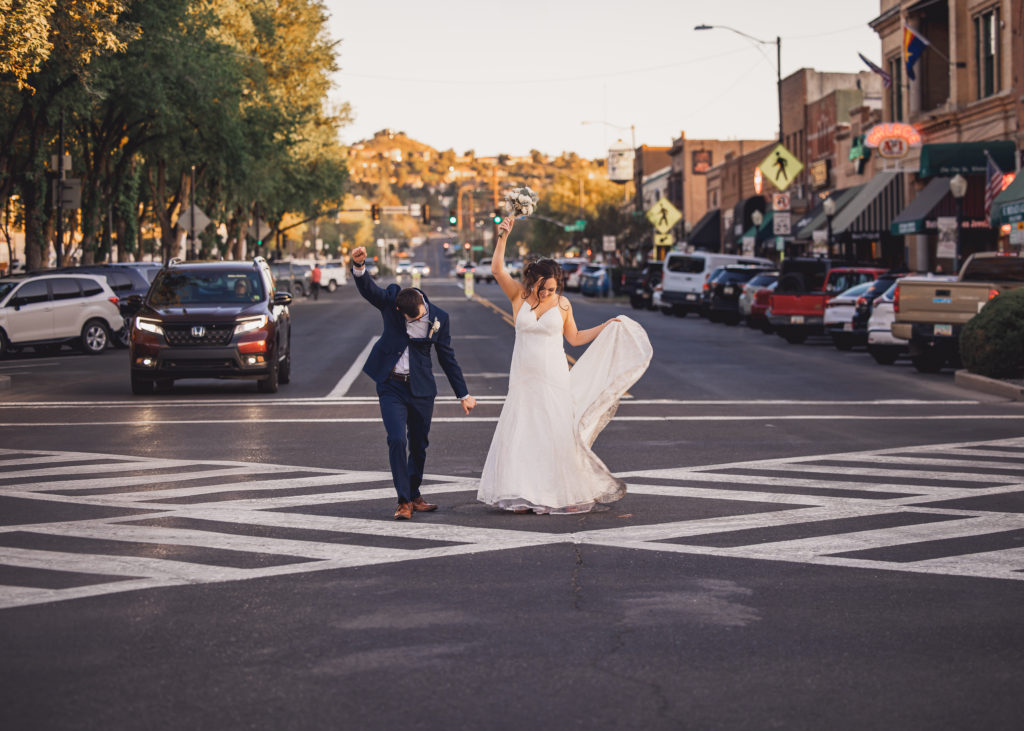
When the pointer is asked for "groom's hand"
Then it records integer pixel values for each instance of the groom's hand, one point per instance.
(359, 256)
(468, 404)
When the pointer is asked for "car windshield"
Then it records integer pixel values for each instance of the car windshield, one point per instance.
(763, 280)
(995, 269)
(569, 267)
(205, 287)
(685, 264)
(856, 291)
(731, 276)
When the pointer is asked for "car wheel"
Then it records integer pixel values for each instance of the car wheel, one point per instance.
(666, 311)
(332, 285)
(95, 337)
(883, 357)
(270, 383)
(5, 344)
(679, 311)
(733, 320)
(928, 362)
(163, 385)
(141, 386)
(123, 337)
(284, 374)
(842, 343)
(794, 337)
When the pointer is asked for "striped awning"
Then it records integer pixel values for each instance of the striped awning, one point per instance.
(870, 213)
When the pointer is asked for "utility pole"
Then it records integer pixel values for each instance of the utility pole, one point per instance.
(59, 186)
(193, 254)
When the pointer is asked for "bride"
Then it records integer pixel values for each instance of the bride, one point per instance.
(540, 458)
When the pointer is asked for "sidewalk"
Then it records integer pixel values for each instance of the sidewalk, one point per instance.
(1013, 390)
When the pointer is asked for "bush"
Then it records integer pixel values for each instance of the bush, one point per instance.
(992, 342)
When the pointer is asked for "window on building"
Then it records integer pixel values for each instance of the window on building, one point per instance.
(987, 52)
(896, 89)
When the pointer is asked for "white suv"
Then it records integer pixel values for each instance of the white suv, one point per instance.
(684, 276)
(47, 311)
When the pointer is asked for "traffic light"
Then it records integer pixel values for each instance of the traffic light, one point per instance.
(497, 216)
(452, 218)
(375, 213)
(446, 245)
(426, 213)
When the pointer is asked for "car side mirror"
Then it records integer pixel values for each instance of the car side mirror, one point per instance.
(282, 299)
(16, 303)
(130, 305)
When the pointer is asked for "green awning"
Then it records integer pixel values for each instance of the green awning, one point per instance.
(763, 232)
(911, 219)
(965, 158)
(1008, 207)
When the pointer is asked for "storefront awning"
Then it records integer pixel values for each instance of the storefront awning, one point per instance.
(965, 157)
(911, 219)
(761, 233)
(816, 218)
(1008, 207)
(870, 212)
(707, 233)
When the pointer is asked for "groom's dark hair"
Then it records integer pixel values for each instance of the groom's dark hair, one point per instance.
(408, 302)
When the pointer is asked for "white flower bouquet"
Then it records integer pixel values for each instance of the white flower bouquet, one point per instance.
(521, 201)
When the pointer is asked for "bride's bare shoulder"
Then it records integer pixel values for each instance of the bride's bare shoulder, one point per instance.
(564, 303)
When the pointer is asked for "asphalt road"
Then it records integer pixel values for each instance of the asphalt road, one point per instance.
(810, 540)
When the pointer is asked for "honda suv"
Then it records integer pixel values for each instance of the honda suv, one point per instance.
(210, 320)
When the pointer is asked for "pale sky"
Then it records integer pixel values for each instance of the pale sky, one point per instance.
(508, 77)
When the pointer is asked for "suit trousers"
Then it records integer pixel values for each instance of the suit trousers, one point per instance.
(407, 421)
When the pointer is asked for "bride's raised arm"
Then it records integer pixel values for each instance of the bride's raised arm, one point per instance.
(509, 286)
(574, 336)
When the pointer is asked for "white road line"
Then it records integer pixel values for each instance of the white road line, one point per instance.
(246, 401)
(342, 387)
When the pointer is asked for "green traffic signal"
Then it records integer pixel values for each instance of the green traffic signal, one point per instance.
(452, 218)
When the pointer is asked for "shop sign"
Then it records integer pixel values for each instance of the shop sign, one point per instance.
(819, 173)
(701, 161)
(946, 248)
(893, 140)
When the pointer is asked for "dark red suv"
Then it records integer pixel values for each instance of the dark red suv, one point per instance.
(210, 320)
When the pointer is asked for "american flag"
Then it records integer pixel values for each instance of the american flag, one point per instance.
(994, 182)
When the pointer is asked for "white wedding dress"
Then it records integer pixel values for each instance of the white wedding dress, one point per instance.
(540, 455)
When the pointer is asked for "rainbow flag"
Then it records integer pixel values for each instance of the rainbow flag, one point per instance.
(913, 46)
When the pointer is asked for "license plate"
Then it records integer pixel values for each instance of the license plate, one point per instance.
(797, 319)
(691, 296)
(946, 330)
(726, 290)
(847, 326)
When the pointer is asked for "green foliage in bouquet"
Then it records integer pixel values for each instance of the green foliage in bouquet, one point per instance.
(992, 342)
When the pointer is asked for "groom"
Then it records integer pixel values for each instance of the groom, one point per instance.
(400, 365)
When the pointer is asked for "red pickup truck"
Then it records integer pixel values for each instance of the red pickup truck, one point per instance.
(797, 307)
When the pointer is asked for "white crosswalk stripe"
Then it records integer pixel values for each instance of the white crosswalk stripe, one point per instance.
(216, 521)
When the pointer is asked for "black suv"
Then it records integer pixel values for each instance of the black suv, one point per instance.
(210, 320)
(724, 292)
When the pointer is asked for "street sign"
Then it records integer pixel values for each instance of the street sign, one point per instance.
(70, 192)
(394, 210)
(578, 226)
(663, 215)
(781, 167)
(781, 223)
(665, 239)
(608, 243)
(780, 201)
(202, 220)
(257, 229)
(415, 209)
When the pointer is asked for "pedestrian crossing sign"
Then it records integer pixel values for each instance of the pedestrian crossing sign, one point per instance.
(663, 215)
(781, 167)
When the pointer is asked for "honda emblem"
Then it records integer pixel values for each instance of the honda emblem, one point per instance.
(198, 331)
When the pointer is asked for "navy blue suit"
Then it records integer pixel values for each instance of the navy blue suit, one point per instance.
(407, 407)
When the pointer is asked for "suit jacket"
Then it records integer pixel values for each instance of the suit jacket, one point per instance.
(386, 351)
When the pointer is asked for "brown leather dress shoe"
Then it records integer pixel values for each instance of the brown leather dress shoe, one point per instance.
(422, 505)
(404, 511)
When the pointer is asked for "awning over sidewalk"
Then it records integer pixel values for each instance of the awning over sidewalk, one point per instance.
(1008, 207)
(911, 219)
(816, 219)
(869, 213)
(708, 231)
(965, 158)
(763, 232)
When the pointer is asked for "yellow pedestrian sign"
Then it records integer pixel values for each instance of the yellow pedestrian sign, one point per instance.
(781, 167)
(663, 215)
(666, 239)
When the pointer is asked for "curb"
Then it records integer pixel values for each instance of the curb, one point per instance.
(1011, 391)
(5, 383)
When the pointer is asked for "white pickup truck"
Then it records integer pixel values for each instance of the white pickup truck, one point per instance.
(333, 274)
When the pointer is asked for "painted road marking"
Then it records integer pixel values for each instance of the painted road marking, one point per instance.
(342, 387)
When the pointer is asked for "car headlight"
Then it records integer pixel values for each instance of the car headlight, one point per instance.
(150, 326)
(249, 324)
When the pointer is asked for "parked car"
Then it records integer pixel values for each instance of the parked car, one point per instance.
(760, 309)
(304, 273)
(333, 274)
(464, 265)
(421, 267)
(596, 281)
(288, 278)
(724, 294)
(930, 314)
(705, 295)
(858, 333)
(758, 282)
(47, 311)
(482, 273)
(684, 276)
(839, 313)
(572, 270)
(798, 302)
(882, 345)
(514, 268)
(210, 320)
(124, 280)
(639, 284)
(404, 266)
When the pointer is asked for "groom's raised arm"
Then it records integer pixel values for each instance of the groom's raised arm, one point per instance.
(368, 288)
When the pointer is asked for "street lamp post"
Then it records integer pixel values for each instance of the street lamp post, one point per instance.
(958, 187)
(830, 210)
(778, 60)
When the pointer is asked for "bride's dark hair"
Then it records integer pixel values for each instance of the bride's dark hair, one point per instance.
(540, 270)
